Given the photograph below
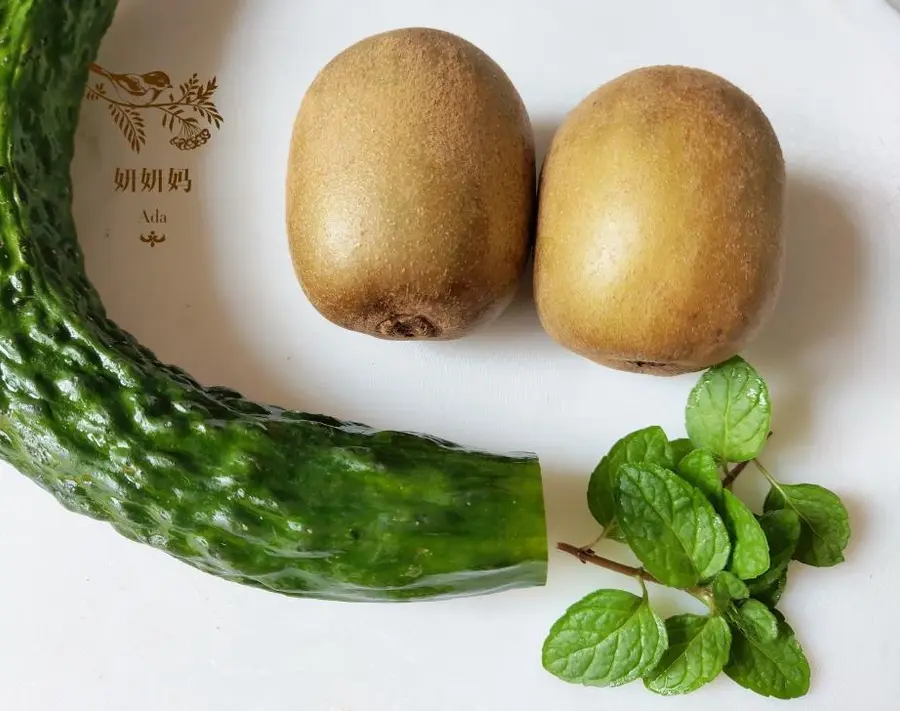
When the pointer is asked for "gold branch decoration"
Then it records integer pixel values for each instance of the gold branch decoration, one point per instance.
(130, 124)
(188, 112)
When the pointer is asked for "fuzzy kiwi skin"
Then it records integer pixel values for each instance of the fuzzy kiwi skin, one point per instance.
(659, 241)
(411, 187)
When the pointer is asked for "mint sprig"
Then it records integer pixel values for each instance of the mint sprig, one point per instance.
(700, 468)
(671, 503)
(729, 411)
(649, 445)
(824, 522)
(699, 647)
(776, 668)
(609, 638)
(782, 531)
(750, 551)
(670, 525)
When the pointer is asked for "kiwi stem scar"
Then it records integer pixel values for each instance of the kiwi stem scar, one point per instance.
(406, 326)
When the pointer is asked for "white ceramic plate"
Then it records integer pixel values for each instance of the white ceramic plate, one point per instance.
(188, 249)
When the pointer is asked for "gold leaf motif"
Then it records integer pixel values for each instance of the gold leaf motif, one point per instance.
(130, 124)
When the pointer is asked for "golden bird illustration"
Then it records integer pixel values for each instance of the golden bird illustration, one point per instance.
(136, 89)
(134, 94)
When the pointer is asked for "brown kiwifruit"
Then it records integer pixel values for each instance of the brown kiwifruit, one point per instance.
(411, 187)
(659, 242)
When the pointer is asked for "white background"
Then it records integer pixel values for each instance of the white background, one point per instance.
(92, 622)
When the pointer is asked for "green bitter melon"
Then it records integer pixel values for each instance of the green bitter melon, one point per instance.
(296, 503)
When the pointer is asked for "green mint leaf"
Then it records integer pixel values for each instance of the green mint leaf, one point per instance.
(646, 445)
(669, 524)
(698, 650)
(608, 638)
(782, 529)
(769, 590)
(824, 522)
(729, 412)
(727, 587)
(778, 668)
(756, 620)
(701, 469)
(679, 449)
(750, 548)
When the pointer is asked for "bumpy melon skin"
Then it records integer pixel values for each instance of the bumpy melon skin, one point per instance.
(300, 504)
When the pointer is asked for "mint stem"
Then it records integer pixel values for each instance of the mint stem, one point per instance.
(765, 473)
(600, 538)
(736, 472)
(733, 474)
(586, 555)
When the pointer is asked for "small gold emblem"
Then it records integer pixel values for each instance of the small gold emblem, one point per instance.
(152, 238)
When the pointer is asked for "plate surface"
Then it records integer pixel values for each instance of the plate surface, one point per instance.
(185, 241)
